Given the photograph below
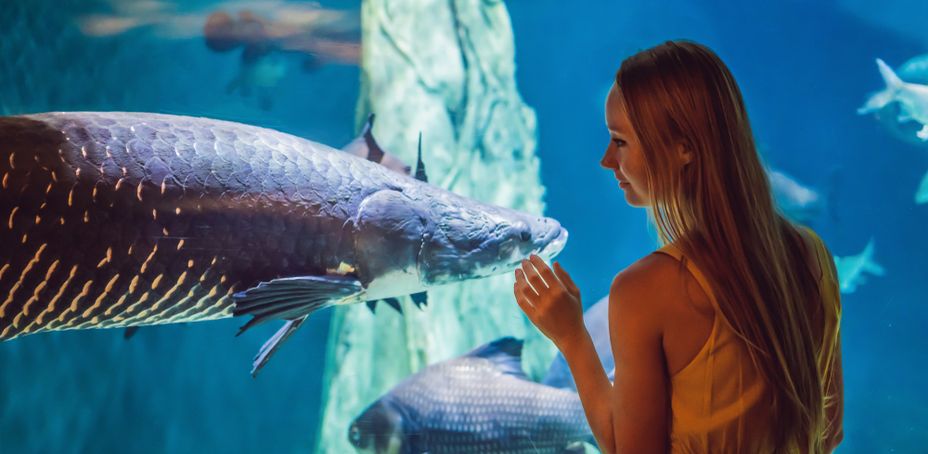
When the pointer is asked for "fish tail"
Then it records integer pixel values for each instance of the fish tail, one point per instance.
(869, 264)
(893, 82)
(921, 195)
(880, 99)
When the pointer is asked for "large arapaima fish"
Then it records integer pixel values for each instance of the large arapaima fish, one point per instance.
(113, 219)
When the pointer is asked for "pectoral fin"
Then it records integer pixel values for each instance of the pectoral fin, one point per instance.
(271, 345)
(291, 299)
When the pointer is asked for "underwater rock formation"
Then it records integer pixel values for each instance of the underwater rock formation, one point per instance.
(444, 69)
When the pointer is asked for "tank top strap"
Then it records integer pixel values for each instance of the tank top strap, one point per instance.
(675, 252)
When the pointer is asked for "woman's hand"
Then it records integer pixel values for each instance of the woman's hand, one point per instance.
(551, 300)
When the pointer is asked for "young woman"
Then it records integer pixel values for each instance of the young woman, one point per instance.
(726, 338)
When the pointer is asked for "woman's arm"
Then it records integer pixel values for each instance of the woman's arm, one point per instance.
(594, 389)
(640, 395)
(551, 301)
(631, 415)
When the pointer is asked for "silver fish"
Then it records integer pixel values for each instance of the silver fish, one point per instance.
(800, 202)
(480, 402)
(124, 219)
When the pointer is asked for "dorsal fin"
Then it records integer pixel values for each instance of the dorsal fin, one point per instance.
(420, 166)
(365, 146)
(505, 353)
(374, 152)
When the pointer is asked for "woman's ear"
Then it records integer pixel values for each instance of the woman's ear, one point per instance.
(684, 153)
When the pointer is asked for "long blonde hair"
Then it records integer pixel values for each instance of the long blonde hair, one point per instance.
(720, 212)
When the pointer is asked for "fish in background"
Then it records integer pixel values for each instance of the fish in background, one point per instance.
(331, 35)
(904, 102)
(921, 194)
(124, 16)
(915, 71)
(912, 98)
(799, 202)
(364, 146)
(115, 219)
(853, 269)
(259, 77)
(479, 402)
(321, 36)
(315, 36)
(272, 36)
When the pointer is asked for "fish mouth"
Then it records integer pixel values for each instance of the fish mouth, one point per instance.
(555, 246)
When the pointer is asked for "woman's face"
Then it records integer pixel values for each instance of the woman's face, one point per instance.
(624, 156)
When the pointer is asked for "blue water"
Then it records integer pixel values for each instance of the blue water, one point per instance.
(804, 68)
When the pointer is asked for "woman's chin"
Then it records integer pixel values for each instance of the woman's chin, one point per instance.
(633, 200)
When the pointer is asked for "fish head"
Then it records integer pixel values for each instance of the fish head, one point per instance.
(379, 429)
(389, 231)
(406, 241)
(470, 240)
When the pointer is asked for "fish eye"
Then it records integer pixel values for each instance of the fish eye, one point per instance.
(354, 435)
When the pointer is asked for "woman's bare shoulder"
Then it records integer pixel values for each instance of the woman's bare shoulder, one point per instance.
(651, 269)
(650, 280)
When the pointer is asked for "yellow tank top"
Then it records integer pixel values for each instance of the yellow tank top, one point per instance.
(719, 401)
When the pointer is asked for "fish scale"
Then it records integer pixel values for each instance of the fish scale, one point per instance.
(479, 402)
(148, 219)
(127, 219)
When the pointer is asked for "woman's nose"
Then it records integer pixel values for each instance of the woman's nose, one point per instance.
(607, 161)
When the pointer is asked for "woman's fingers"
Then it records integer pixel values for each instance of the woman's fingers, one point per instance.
(566, 279)
(524, 304)
(521, 280)
(522, 286)
(543, 270)
(521, 290)
(531, 274)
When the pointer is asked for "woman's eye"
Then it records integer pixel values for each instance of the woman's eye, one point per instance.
(619, 142)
